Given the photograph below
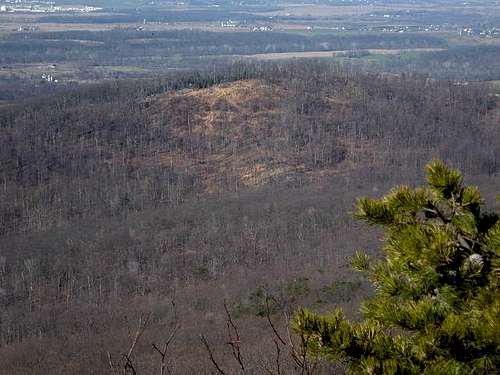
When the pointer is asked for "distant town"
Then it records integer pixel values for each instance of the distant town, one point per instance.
(22, 6)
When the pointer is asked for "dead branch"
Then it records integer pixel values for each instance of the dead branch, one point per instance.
(111, 364)
(299, 356)
(278, 353)
(128, 366)
(234, 338)
(212, 359)
(271, 324)
(164, 351)
(143, 324)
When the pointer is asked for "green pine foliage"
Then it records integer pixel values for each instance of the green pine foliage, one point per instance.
(436, 309)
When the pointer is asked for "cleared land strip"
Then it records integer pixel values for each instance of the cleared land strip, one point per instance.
(336, 53)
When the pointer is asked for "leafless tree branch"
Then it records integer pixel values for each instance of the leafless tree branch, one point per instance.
(210, 353)
(299, 356)
(234, 338)
(111, 364)
(164, 351)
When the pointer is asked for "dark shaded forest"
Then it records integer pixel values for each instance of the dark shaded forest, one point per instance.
(236, 184)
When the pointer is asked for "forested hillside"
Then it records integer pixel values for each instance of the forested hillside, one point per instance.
(233, 184)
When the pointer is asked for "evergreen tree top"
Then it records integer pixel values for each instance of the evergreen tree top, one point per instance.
(436, 309)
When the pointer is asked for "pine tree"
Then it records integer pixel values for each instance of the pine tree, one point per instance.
(436, 308)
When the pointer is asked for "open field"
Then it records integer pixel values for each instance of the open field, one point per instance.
(320, 54)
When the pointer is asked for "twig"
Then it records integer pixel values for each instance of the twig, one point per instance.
(234, 342)
(300, 358)
(163, 352)
(278, 352)
(111, 365)
(129, 365)
(271, 324)
(138, 333)
(209, 350)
